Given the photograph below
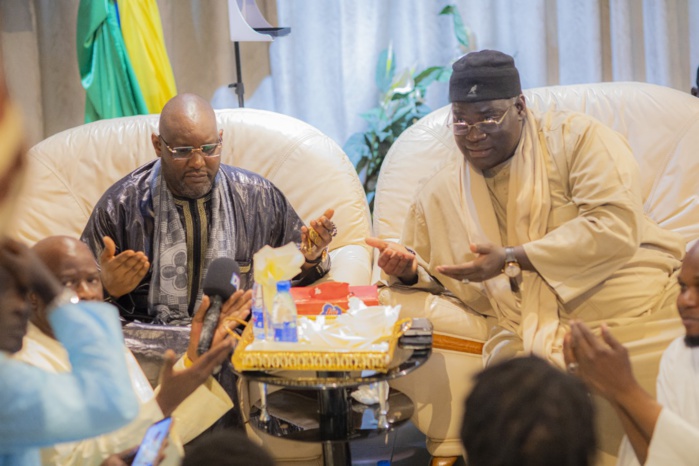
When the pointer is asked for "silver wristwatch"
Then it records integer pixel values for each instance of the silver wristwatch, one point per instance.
(67, 296)
(511, 268)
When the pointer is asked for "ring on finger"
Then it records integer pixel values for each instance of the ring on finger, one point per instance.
(312, 240)
(465, 281)
(333, 229)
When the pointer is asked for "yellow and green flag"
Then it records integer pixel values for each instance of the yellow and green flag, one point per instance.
(143, 36)
(116, 82)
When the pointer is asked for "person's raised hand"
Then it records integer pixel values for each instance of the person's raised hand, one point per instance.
(175, 386)
(488, 263)
(318, 236)
(126, 457)
(233, 311)
(121, 273)
(114, 460)
(123, 458)
(395, 259)
(602, 363)
(30, 273)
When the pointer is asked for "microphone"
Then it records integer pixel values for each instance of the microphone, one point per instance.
(221, 281)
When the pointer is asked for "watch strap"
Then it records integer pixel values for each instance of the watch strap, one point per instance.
(510, 255)
(320, 258)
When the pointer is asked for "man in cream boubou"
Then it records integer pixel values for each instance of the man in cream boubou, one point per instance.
(536, 220)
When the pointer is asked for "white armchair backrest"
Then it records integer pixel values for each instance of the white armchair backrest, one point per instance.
(70, 171)
(661, 125)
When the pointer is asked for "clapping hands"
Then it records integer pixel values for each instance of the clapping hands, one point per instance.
(121, 273)
(601, 362)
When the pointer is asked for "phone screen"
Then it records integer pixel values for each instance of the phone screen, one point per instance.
(152, 442)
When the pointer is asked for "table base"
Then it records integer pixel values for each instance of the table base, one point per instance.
(296, 415)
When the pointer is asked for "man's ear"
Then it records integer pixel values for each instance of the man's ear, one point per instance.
(155, 140)
(521, 105)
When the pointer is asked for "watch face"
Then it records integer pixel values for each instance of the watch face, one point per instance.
(512, 269)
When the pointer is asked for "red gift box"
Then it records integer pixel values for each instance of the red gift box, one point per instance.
(331, 298)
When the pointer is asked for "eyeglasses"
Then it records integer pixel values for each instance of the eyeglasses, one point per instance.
(185, 152)
(487, 126)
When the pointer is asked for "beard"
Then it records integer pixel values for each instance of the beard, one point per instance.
(194, 192)
(692, 341)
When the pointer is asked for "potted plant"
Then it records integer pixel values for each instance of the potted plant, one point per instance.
(401, 103)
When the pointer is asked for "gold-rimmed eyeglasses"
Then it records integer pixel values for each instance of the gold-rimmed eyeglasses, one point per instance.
(487, 126)
(185, 152)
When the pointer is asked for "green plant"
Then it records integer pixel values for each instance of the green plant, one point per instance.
(401, 103)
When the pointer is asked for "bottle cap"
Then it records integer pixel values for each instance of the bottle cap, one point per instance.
(283, 286)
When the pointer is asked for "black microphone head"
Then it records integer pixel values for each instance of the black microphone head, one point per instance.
(222, 278)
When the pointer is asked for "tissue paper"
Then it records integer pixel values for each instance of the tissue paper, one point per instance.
(276, 264)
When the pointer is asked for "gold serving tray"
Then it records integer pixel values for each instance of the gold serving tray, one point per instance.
(332, 360)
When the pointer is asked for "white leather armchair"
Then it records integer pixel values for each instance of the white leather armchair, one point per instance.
(70, 171)
(662, 126)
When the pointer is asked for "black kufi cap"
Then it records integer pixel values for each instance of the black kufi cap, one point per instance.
(484, 75)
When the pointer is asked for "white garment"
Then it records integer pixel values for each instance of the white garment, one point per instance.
(678, 381)
(678, 391)
(675, 442)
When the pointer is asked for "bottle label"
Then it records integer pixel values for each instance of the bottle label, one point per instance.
(258, 312)
(286, 332)
(258, 317)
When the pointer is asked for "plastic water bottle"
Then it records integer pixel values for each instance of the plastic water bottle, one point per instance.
(258, 312)
(283, 315)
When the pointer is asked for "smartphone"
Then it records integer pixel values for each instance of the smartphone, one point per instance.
(152, 443)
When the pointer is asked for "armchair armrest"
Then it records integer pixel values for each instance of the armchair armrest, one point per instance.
(459, 344)
(456, 327)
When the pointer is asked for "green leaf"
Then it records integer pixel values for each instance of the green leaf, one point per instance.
(385, 69)
(445, 74)
(422, 110)
(385, 133)
(356, 148)
(400, 105)
(402, 112)
(433, 74)
(403, 96)
(361, 164)
(426, 77)
(460, 30)
(374, 117)
(401, 85)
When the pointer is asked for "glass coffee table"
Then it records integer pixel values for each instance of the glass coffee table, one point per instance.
(316, 406)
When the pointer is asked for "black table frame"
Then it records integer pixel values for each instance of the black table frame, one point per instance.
(334, 405)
